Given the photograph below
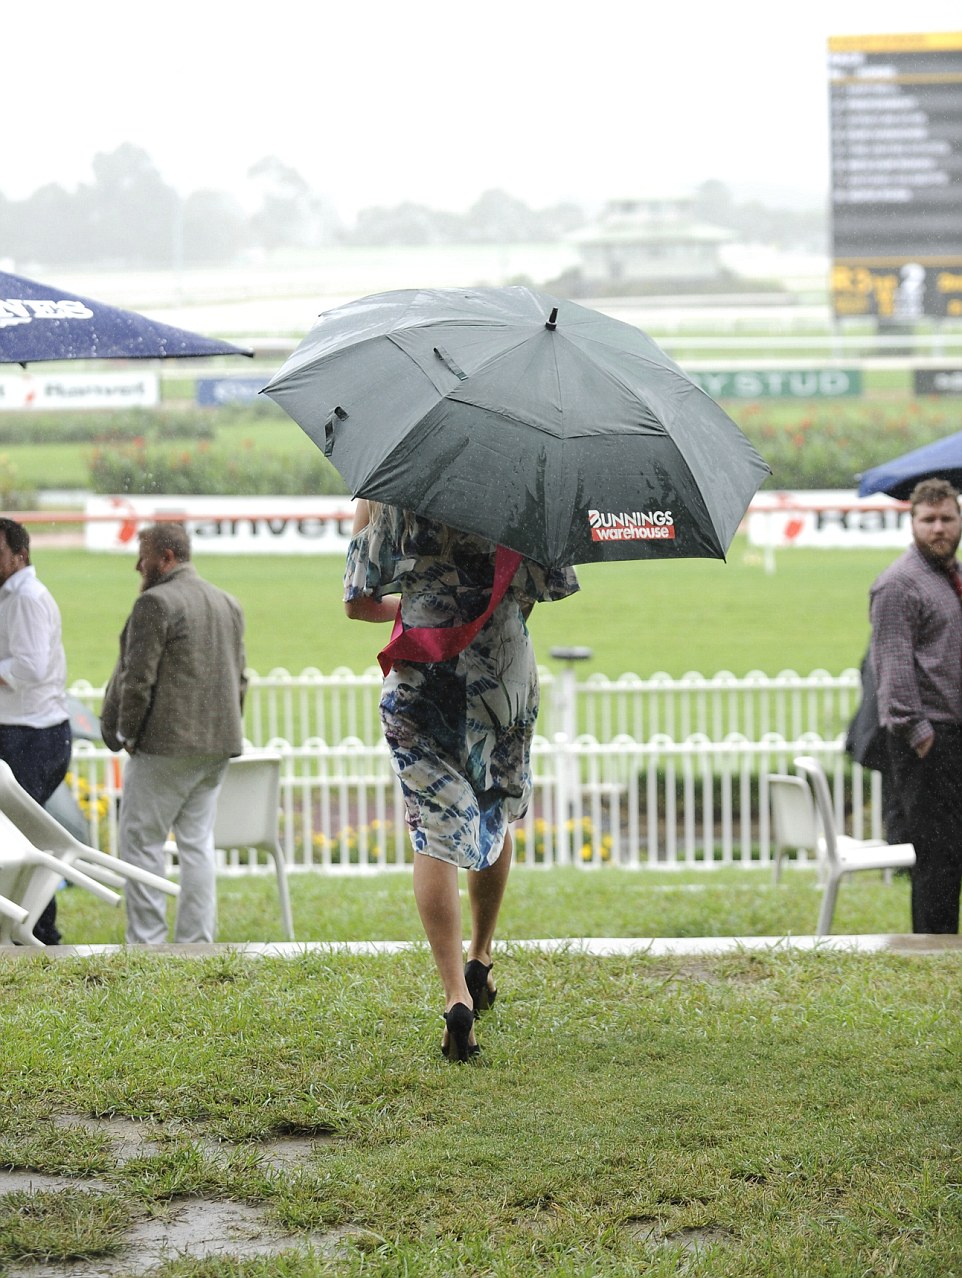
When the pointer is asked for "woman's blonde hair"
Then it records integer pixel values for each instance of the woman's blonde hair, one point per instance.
(398, 524)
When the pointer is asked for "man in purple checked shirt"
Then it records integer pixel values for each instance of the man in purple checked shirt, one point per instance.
(916, 612)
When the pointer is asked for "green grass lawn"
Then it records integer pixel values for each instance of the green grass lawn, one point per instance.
(746, 1116)
(777, 1115)
(704, 615)
(560, 902)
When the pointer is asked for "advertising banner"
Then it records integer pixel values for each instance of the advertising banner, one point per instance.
(227, 525)
(213, 392)
(778, 383)
(828, 519)
(896, 135)
(937, 381)
(46, 391)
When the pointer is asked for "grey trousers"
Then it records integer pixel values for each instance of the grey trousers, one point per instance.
(164, 794)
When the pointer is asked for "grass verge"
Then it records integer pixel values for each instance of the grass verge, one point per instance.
(753, 1115)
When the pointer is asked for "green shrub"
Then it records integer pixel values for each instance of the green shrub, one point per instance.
(91, 427)
(827, 446)
(13, 495)
(143, 466)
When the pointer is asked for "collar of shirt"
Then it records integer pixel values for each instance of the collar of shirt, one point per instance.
(19, 579)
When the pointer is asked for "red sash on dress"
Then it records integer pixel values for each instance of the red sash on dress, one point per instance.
(439, 643)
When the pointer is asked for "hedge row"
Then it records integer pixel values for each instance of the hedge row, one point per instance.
(210, 470)
(808, 444)
(90, 427)
(828, 446)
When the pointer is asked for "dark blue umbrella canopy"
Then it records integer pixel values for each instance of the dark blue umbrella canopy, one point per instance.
(39, 322)
(939, 460)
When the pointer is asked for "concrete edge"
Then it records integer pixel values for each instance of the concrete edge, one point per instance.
(604, 947)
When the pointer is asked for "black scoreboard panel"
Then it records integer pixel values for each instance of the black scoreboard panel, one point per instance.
(896, 137)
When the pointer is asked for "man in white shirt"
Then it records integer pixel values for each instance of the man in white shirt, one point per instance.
(35, 738)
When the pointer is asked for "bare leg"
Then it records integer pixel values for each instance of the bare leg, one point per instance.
(439, 905)
(486, 892)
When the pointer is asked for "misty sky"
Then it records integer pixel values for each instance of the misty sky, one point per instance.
(436, 101)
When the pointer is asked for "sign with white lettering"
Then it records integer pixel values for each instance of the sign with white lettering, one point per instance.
(896, 132)
(828, 519)
(213, 392)
(79, 390)
(227, 525)
(937, 381)
(784, 383)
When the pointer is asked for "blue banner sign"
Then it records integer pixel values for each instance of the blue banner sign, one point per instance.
(215, 392)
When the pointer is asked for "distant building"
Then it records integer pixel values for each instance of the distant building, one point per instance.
(650, 239)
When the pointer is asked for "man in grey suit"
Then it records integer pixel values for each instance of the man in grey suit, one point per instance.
(174, 703)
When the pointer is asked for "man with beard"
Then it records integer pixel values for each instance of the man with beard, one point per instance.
(916, 612)
(174, 704)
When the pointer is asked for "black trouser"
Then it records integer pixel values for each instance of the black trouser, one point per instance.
(930, 794)
(39, 758)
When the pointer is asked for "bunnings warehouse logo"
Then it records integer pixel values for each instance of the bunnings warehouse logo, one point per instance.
(779, 383)
(637, 525)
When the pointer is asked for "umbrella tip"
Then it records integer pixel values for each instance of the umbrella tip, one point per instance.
(552, 320)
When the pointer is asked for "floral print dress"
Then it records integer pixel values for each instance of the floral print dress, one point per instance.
(459, 730)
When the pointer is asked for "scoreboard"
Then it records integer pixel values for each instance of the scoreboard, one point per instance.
(896, 139)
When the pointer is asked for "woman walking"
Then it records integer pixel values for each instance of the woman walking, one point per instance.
(458, 708)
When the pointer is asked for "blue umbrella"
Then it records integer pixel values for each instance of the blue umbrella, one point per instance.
(939, 460)
(39, 322)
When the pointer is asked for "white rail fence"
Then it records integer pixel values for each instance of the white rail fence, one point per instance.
(341, 705)
(693, 795)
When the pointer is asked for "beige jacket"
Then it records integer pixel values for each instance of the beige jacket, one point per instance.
(178, 687)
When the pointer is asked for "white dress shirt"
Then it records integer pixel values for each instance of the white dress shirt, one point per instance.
(33, 664)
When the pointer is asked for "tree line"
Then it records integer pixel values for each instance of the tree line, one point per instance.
(128, 216)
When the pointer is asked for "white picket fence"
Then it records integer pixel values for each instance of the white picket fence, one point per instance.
(344, 704)
(684, 785)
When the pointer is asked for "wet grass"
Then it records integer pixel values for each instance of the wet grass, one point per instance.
(539, 904)
(751, 1115)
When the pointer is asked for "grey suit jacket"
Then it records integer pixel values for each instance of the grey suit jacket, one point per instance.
(178, 687)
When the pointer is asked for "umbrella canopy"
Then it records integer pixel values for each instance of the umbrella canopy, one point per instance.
(532, 421)
(939, 460)
(39, 322)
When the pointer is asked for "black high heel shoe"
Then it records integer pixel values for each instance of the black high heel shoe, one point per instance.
(476, 979)
(459, 1020)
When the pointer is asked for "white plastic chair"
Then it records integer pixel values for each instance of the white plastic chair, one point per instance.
(842, 854)
(36, 853)
(794, 827)
(248, 809)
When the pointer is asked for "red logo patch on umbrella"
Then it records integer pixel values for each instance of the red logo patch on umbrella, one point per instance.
(635, 525)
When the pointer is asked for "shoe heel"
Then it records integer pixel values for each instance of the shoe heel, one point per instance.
(476, 979)
(459, 1021)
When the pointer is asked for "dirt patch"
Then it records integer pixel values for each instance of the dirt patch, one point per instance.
(127, 1138)
(198, 1228)
(648, 1229)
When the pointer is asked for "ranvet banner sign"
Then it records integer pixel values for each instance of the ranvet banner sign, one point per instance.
(47, 391)
(227, 525)
(829, 519)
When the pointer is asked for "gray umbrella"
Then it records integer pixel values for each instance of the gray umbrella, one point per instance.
(537, 423)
